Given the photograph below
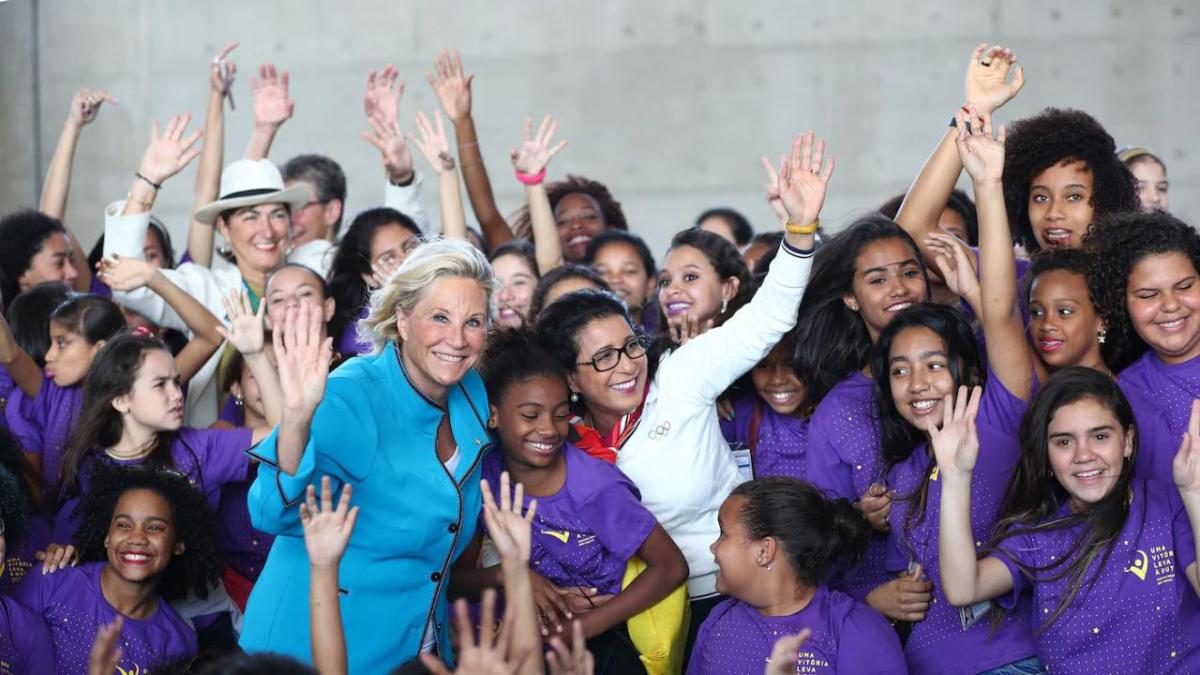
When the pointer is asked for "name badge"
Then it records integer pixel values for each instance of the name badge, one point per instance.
(741, 455)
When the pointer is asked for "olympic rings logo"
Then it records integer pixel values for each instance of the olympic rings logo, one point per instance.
(660, 431)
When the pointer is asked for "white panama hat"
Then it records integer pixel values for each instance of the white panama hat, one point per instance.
(249, 182)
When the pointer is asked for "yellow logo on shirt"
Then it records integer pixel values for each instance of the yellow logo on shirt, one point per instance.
(1140, 566)
(562, 535)
(135, 670)
(934, 474)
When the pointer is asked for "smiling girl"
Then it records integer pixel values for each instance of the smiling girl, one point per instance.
(1145, 283)
(703, 281)
(146, 540)
(1102, 563)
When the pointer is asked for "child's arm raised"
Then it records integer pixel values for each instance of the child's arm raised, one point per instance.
(530, 163)
(965, 579)
(326, 535)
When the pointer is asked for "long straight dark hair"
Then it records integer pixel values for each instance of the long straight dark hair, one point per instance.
(831, 340)
(899, 438)
(113, 373)
(1035, 497)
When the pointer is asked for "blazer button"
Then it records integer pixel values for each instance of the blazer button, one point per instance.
(453, 528)
(435, 577)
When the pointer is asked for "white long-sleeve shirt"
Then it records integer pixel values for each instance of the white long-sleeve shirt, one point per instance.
(126, 235)
(677, 457)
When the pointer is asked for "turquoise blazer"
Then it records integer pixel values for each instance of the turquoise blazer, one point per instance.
(373, 430)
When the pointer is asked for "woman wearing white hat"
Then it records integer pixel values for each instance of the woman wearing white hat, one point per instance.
(252, 213)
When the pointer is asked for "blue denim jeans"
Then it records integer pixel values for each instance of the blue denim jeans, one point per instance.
(1028, 666)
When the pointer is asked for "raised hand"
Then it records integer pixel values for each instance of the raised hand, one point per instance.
(383, 94)
(786, 653)
(536, 151)
(988, 86)
(771, 188)
(169, 150)
(981, 153)
(451, 87)
(326, 529)
(802, 183)
(245, 330)
(272, 107)
(125, 274)
(575, 661)
(956, 262)
(432, 142)
(509, 530)
(105, 650)
(386, 136)
(684, 327)
(1186, 465)
(303, 359)
(490, 655)
(86, 105)
(222, 73)
(956, 443)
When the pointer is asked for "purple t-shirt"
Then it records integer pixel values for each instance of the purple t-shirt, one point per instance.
(585, 534)
(844, 459)
(210, 458)
(780, 443)
(1161, 396)
(43, 424)
(72, 604)
(21, 555)
(348, 343)
(1140, 616)
(940, 643)
(847, 638)
(244, 548)
(25, 645)
(6, 389)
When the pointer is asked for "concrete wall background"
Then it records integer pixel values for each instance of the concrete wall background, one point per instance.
(669, 102)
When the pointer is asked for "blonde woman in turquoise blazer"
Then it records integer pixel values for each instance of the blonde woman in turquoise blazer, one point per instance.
(406, 426)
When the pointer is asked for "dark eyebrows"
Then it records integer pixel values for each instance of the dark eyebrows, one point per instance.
(883, 268)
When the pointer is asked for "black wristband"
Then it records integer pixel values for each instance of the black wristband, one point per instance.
(156, 186)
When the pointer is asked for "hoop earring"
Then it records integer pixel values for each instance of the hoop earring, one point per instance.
(724, 305)
(1101, 336)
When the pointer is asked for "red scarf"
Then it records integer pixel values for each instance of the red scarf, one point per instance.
(605, 447)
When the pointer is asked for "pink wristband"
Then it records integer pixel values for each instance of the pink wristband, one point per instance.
(534, 179)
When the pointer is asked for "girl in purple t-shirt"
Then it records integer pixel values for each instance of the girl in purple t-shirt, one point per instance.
(1102, 564)
(1145, 282)
(25, 645)
(133, 414)
(589, 521)
(779, 540)
(769, 430)
(146, 539)
(43, 412)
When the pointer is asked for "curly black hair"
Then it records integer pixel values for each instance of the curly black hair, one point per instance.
(1052, 137)
(1117, 243)
(614, 217)
(198, 567)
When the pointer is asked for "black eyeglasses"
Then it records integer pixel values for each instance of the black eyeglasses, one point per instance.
(607, 359)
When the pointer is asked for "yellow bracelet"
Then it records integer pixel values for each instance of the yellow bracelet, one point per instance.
(811, 228)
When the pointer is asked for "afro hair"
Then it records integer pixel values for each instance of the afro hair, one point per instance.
(614, 217)
(198, 567)
(1116, 245)
(1052, 137)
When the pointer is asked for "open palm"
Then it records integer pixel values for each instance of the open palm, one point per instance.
(272, 107)
(451, 87)
(536, 151)
(303, 357)
(982, 154)
(802, 182)
(1186, 466)
(956, 443)
(245, 331)
(988, 86)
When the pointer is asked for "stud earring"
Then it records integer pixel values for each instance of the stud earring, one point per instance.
(238, 401)
(724, 305)
(574, 397)
(770, 567)
(1101, 336)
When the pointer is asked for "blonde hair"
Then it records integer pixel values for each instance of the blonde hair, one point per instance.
(434, 259)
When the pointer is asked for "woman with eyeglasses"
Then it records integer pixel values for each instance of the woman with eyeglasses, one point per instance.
(655, 416)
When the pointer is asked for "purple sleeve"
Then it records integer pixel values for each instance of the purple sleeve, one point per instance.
(737, 430)
(32, 637)
(1185, 539)
(867, 643)
(26, 417)
(619, 520)
(696, 665)
(895, 560)
(31, 592)
(232, 413)
(222, 454)
(1015, 553)
(825, 468)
